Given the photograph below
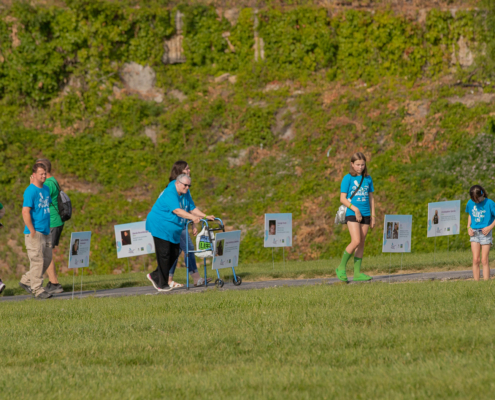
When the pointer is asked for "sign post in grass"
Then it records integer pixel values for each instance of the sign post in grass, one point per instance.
(396, 236)
(278, 233)
(79, 251)
(444, 219)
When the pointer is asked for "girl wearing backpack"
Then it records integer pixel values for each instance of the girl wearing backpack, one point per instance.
(356, 193)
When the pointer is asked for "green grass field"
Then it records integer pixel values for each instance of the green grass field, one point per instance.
(375, 265)
(399, 341)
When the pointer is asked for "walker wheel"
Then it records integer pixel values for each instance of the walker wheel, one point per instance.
(238, 282)
(219, 283)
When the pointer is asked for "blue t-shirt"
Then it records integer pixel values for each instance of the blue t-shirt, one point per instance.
(161, 221)
(482, 214)
(39, 201)
(361, 199)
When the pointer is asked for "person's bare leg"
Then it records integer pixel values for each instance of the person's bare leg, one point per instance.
(355, 240)
(355, 231)
(476, 248)
(360, 249)
(358, 256)
(195, 276)
(51, 272)
(485, 251)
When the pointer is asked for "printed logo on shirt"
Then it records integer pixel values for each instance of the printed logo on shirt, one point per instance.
(362, 194)
(478, 215)
(43, 204)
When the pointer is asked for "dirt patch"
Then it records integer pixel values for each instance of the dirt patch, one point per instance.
(470, 100)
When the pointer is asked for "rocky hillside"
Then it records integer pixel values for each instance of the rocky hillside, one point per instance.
(266, 103)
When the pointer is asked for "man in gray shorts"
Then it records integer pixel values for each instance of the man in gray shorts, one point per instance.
(56, 226)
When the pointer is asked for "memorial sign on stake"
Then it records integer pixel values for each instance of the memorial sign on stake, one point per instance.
(278, 230)
(133, 240)
(80, 245)
(397, 234)
(444, 218)
(226, 253)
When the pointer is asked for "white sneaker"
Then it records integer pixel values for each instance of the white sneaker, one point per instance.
(152, 281)
(2, 286)
(167, 289)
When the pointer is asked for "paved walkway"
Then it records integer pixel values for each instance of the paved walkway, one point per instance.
(149, 290)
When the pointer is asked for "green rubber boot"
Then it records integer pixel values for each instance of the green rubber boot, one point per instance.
(358, 275)
(341, 274)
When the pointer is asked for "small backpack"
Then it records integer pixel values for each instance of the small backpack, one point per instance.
(64, 204)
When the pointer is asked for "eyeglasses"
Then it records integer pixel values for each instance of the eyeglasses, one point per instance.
(186, 185)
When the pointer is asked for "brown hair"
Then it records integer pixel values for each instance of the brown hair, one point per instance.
(476, 192)
(354, 158)
(38, 165)
(46, 162)
(177, 169)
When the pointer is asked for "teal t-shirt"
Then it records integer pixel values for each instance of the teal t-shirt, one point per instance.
(38, 200)
(55, 219)
(161, 221)
(482, 214)
(362, 198)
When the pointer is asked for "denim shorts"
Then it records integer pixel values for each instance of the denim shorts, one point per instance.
(478, 237)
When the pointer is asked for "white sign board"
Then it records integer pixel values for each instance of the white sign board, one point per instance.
(397, 234)
(444, 218)
(133, 240)
(80, 244)
(226, 253)
(278, 230)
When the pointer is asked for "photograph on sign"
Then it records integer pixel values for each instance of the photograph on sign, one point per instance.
(397, 234)
(80, 244)
(278, 230)
(226, 250)
(444, 218)
(133, 240)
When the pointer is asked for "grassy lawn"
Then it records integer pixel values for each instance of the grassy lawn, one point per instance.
(413, 340)
(376, 265)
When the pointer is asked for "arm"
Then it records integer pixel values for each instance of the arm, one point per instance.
(26, 216)
(372, 206)
(201, 214)
(487, 230)
(347, 203)
(470, 231)
(184, 214)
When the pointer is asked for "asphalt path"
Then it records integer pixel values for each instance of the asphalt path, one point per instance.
(150, 291)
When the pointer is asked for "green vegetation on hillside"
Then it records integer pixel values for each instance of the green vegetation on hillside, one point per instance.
(430, 340)
(275, 139)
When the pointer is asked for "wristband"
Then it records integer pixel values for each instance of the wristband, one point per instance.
(350, 204)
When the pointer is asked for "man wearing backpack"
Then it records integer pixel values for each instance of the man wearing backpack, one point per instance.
(56, 226)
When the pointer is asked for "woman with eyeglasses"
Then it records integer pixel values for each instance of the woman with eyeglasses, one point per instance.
(181, 167)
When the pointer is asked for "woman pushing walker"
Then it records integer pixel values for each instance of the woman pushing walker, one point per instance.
(357, 195)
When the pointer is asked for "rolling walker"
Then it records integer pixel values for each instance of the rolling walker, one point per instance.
(208, 247)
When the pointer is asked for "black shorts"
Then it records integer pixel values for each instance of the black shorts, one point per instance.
(56, 232)
(364, 220)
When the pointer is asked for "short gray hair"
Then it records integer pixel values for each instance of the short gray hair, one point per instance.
(181, 176)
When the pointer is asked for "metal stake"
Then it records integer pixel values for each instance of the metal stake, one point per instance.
(273, 261)
(73, 280)
(389, 267)
(82, 273)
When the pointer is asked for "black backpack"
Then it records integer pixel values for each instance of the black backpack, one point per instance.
(64, 204)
